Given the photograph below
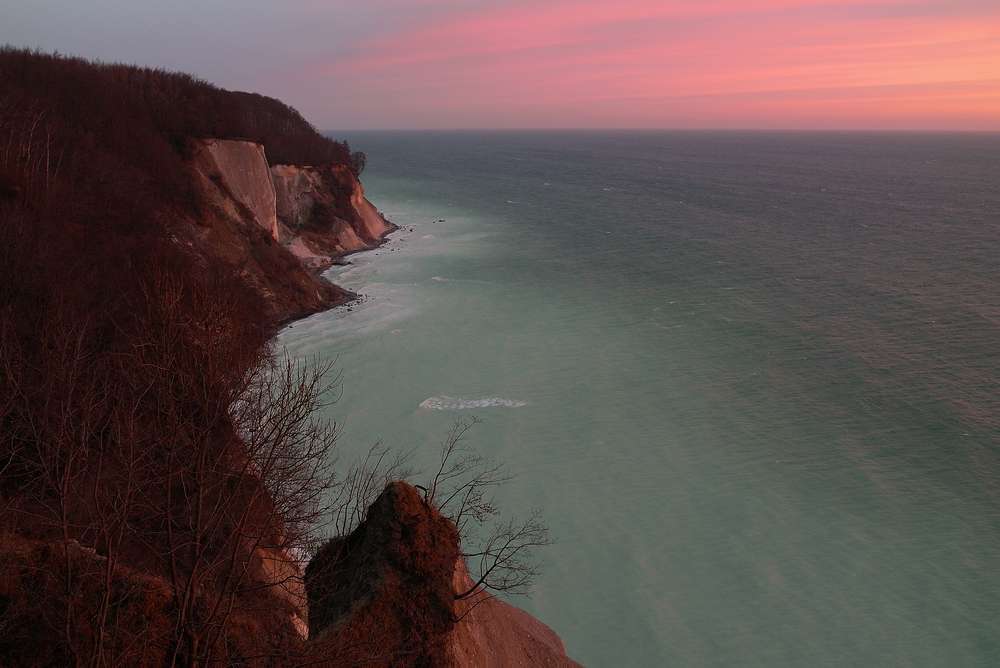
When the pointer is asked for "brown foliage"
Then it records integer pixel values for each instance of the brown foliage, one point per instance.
(135, 372)
(35, 604)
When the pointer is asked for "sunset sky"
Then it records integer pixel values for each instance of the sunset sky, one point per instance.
(374, 64)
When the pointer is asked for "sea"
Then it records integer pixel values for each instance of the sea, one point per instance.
(751, 379)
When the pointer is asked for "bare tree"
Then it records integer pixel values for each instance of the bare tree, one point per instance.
(290, 450)
(461, 487)
(363, 481)
(498, 554)
(71, 478)
(246, 468)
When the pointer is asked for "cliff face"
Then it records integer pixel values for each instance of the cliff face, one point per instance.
(261, 219)
(296, 190)
(323, 213)
(240, 168)
(317, 214)
(494, 634)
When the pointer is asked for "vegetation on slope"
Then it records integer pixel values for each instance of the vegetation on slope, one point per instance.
(135, 375)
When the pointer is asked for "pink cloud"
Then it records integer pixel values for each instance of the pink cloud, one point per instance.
(658, 63)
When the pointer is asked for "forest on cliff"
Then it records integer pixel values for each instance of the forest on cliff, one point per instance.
(157, 472)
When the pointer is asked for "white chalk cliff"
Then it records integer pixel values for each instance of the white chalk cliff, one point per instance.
(494, 634)
(241, 168)
(316, 213)
(306, 199)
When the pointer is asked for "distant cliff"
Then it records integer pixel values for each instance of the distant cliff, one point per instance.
(323, 213)
(239, 176)
(316, 214)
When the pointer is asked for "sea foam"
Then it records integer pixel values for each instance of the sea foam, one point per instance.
(443, 403)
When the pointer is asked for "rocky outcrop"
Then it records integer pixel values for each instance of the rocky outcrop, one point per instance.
(372, 225)
(393, 581)
(387, 586)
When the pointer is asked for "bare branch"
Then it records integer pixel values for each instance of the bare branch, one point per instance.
(498, 554)
(504, 558)
(364, 480)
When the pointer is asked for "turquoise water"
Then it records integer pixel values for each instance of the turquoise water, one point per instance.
(753, 379)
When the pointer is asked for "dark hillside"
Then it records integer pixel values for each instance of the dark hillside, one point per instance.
(96, 157)
(70, 107)
(148, 451)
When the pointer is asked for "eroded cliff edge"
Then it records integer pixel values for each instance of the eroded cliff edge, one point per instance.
(323, 213)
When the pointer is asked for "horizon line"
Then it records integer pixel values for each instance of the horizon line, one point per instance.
(669, 129)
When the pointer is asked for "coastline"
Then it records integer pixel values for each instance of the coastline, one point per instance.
(492, 633)
(344, 296)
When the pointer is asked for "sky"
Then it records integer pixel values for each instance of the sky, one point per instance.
(423, 64)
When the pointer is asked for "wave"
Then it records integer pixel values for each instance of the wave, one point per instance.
(443, 403)
(442, 279)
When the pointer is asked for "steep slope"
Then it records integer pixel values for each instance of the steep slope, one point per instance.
(241, 169)
(494, 634)
(158, 479)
